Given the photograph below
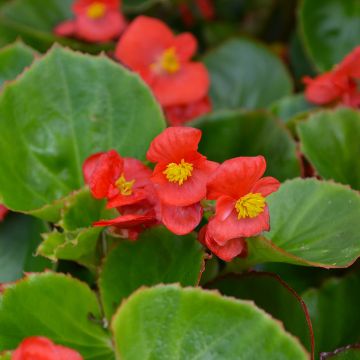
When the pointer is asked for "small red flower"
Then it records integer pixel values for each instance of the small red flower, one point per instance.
(180, 114)
(241, 209)
(121, 181)
(3, 212)
(340, 85)
(95, 21)
(231, 249)
(181, 173)
(41, 348)
(150, 48)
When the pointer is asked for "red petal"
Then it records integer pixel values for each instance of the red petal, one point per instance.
(100, 30)
(121, 200)
(236, 177)
(181, 220)
(66, 28)
(127, 221)
(232, 227)
(89, 166)
(109, 168)
(136, 170)
(174, 144)
(185, 46)
(206, 8)
(189, 84)
(143, 42)
(81, 6)
(67, 354)
(3, 212)
(266, 186)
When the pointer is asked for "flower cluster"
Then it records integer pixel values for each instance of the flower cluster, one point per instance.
(172, 193)
(42, 348)
(95, 21)
(339, 86)
(149, 48)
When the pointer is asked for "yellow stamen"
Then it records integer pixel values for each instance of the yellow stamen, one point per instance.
(124, 186)
(96, 10)
(250, 206)
(168, 62)
(178, 173)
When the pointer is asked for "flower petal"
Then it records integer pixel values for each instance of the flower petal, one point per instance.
(236, 177)
(181, 220)
(127, 221)
(266, 186)
(66, 28)
(89, 166)
(185, 46)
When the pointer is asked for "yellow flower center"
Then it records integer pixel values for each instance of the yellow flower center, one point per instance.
(168, 62)
(250, 206)
(178, 173)
(125, 187)
(96, 10)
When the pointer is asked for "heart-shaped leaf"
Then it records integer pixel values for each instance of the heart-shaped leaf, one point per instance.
(245, 74)
(236, 133)
(91, 104)
(167, 322)
(330, 29)
(19, 238)
(334, 311)
(274, 296)
(169, 259)
(313, 223)
(330, 140)
(58, 307)
(14, 59)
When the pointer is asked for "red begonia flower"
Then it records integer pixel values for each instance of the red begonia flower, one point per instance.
(241, 209)
(95, 21)
(180, 114)
(206, 8)
(41, 348)
(181, 173)
(150, 48)
(121, 181)
(181, 220)
(231, 249)
(3, 212)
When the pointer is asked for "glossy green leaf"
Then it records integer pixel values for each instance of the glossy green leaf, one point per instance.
(334, 311)
(19, 238)
(245, 74)
(167, 322)
(58, 307)
(34, 23)
(235, 133)
(14, 59)
(313, 223)
(274, 296)
(169, 259)
(288, 107)
(350, 352)
(91, 104)
(330, 29)
(330, 140)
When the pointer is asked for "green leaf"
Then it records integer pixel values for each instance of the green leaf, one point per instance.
(330, 140)
(19, 237)
(289, 107)
(350, 352)
(330, 29)
(91, 104)
(14, 59)
(136, 6)
(34, 23)
(247, 75)
(58, 307)
(167, 322)
(313, 223)
(169, 259)
(334, 311)
(5, 356)
(274, 296)
(236, 133)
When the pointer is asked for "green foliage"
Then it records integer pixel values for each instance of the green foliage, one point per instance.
(330, 140)
(169, 259)
(330, 29)
(240, 76)
(168, 322)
